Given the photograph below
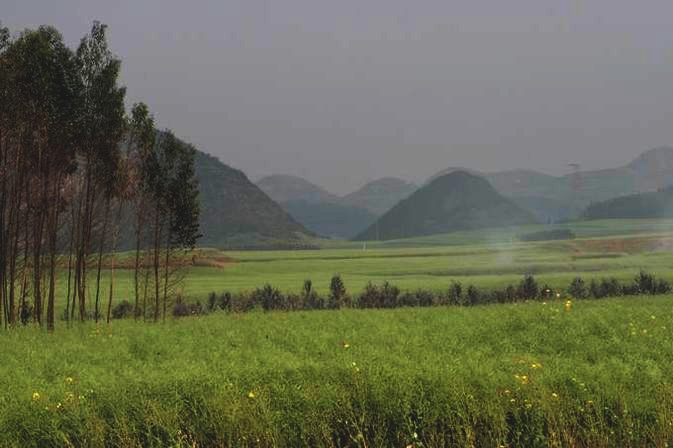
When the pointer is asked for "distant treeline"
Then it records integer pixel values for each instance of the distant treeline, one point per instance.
(655, 204)
(73, 168)
(547, 235)
(387, 295)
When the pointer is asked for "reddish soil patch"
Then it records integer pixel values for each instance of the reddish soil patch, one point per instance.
(630, 245)
(220, 261)
(128, 261)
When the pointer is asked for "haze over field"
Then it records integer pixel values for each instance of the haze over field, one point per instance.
(346, 92)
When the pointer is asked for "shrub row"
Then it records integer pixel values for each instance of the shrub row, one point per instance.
(387, 295)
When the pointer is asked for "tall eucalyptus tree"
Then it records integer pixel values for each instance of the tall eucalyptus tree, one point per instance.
(141, 147)
(101, 129)
(37, 112)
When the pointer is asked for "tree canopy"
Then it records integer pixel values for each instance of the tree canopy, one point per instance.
(73, 167)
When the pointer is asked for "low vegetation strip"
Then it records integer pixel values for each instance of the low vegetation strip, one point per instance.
(387, 295)
(592, 373)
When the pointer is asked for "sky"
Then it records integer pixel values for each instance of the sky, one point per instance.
(345, 92)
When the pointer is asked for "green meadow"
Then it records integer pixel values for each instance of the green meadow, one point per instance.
(595, 373)
(581, 373)
(485, 258)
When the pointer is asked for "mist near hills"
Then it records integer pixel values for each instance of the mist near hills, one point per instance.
(379, 195)
(237, 213)
(549, 198)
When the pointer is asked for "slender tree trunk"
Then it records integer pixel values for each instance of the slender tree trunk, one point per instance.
(53, 237)
(112, 282)
(52, 285)
(68, 309)
(13, 258)
(157, 250)
(100, 257)
(166, 274)
(136, 271)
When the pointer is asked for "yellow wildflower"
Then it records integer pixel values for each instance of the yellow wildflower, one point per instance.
(251, 394)
(36, 396)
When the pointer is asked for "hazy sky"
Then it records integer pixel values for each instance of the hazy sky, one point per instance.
(346, 91)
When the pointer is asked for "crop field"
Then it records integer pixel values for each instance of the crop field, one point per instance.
(561, 372)
(487, 259)
(592, 373)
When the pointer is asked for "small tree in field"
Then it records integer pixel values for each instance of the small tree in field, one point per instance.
(578, 288)
(310, 297)
(528, 288)
(337, 292)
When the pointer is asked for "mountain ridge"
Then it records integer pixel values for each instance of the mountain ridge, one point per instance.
(451, 202)
(235, 212)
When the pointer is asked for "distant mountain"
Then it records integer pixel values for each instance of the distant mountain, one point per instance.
(653, 204)
(283, 188)
(455, 201)
(653, 169)
(523, 182)
(235, 212)
(380, 195)
(330, 220)
(329, 215)
(554, 198)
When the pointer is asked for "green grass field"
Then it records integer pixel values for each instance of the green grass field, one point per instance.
(597, 374)
(592, 373)
(486, 258)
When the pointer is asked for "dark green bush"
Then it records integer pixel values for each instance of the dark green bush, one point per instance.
(455, 293)
(578, 289)
(183, 309)
(25, 312)
(224, 301)
(337, 293)
(611, 287)
(122, 310)
(388, 295)
(528, 288)
(385, 296)
(269, 298)
(472, 296)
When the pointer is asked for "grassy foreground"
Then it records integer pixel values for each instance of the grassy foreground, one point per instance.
(589, 373)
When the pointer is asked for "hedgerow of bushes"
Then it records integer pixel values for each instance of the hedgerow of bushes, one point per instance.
(387, 295)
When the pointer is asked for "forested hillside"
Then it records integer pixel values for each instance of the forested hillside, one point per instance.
(454, 201)
(236, 213)
(655, 204)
